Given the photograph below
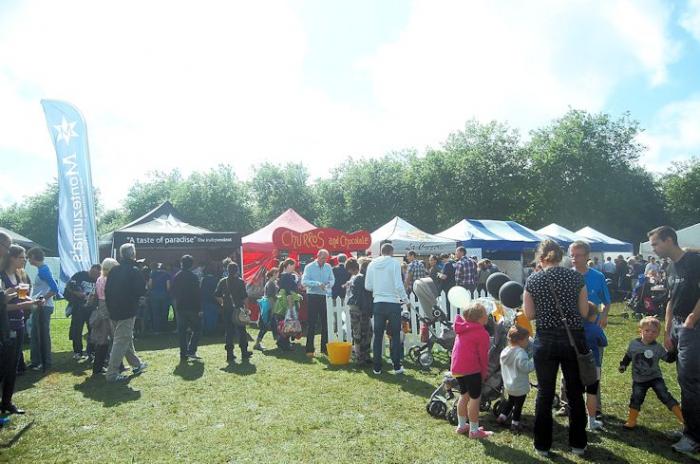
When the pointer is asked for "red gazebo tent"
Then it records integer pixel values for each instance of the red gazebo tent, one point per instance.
(258, 248)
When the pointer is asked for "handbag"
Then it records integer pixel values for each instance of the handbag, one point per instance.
(256, 288)
(291, 325)
(241, 315)
(586, 361)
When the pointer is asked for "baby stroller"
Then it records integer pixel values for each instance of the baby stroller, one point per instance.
(443, 401)
(645, 302)
(427, 293)
(422, 354)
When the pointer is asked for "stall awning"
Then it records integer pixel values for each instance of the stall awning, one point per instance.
(494, 235)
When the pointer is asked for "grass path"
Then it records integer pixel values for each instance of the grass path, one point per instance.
(284, 408)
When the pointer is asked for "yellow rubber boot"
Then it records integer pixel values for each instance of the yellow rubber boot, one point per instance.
(677, 412)
(632, 419)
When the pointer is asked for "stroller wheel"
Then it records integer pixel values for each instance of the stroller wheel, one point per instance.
(437, 409)
(485, 406)
(452, 415)
(414, 353)
(497, 408)
(425, 360)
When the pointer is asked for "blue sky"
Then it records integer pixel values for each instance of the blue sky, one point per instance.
(167, 84)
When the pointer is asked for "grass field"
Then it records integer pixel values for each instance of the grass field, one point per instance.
(284, 408)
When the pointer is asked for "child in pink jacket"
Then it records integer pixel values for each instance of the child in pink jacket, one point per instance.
(470, 366)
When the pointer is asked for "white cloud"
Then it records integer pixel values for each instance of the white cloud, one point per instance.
(168, 84)
(690, 19)
(525, 62)
(674, 134)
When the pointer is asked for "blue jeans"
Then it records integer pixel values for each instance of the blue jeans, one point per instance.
(687, 343)
(551, 350)
(387, 313)
(639, 393)
(160, 306)
(40, 342)
(211, 316)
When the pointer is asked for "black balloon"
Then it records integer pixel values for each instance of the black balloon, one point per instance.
(511, 294)
(495, 282)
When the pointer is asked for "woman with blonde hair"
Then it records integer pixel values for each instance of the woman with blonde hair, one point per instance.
(100, 324)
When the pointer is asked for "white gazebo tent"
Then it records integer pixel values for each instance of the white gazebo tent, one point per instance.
(405, 237)
(604, 244)
(687, 238)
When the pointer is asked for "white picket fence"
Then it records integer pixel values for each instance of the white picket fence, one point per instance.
(339, 328)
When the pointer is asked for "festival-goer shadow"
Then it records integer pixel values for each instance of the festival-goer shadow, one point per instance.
(244, 368)
(644, 438)
(407, 382)
(166, 341)
(507, 453)
(189, 371)
(109, 394)
(62, 363)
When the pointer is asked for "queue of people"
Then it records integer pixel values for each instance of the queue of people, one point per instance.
(570, 307)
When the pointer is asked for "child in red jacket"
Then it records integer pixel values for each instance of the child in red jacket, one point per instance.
(470, 366)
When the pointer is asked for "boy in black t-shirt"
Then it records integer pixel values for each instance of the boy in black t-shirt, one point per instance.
(682, 332)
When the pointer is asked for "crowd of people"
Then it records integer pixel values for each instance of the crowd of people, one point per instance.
(570, 305)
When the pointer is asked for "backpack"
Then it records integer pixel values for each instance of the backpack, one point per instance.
(256, 287)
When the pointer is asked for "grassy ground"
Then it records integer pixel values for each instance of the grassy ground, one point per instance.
(283, 408)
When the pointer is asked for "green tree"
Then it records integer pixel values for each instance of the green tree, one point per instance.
(36, 217)
(584, 172)
(480, 172)
(681, 189)
(215, 200)
(274, 189)
(145, 195)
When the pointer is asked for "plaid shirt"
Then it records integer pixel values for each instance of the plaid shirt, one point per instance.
(465, 272)
(416, 270)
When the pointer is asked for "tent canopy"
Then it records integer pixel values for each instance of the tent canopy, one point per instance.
(258, 248)
(604, 242)
(405, 237)
(163, 228)
(493, 235)
(21, 239)
(565, 237)
(687, 238)
(261, 240)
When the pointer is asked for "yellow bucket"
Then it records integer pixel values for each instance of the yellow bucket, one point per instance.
(339, 352)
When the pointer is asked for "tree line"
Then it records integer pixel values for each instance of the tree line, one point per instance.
(581, 169)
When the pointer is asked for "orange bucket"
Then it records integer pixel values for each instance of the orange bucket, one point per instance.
(339, 353)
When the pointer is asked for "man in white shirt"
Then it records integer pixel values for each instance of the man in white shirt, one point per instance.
(383, 279)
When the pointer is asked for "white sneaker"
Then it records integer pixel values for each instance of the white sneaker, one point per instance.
(77, 356)
(578, 451)
(596, 425)
(686, 445)
(376, 372)
(399, 371)
(542, 453)
(139, 369)
(119, 378)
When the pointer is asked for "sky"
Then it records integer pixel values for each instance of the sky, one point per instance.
(191, 85)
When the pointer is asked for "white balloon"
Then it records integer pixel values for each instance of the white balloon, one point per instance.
(459, 297)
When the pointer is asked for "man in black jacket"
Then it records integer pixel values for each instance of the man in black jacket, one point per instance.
(188, 307)
(125, 286)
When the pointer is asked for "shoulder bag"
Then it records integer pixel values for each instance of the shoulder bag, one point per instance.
(241, 316)
(586, 361)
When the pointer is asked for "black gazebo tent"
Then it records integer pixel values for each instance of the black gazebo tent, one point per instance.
(161, 235)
